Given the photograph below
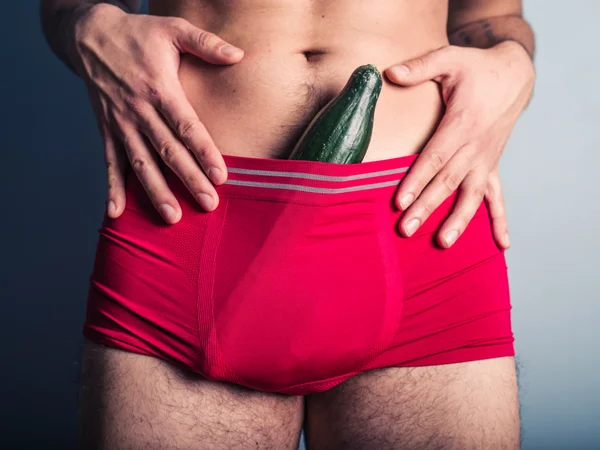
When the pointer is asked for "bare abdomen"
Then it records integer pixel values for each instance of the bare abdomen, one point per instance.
(296, 59)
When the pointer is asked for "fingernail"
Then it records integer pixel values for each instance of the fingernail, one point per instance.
(401, 71)
(406, 200)
(112, 208)
(451, 237)
(206, 201)
(216, 175)
(168, 213)
(411, 226)
(230, 50)
(506, 240)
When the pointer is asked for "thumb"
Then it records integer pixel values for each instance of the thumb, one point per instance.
(431, 66)
(206, 45)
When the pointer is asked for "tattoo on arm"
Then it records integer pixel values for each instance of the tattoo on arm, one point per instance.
(466, 39)
(486, 33)
(489, 33)
(472, 33)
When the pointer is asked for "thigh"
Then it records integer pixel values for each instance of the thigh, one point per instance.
(472, 405)
(134, 401)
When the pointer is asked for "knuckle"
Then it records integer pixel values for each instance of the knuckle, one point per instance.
(203, 152)
(206, 39)
(419, 64)
(187, 129)
(478, 191)
(139, 164)
(429, 207)
(435, 160)
(451, 181)
(134, 103)
(190, 180)
(176, 23)
(166, 152)
(419, 182)
(153, 93)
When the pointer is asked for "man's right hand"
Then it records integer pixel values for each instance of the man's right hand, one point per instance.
(130, 64)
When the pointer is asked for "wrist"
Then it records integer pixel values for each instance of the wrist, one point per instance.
(82, 23)
(515, 53)
(517, 58)
(515, 47)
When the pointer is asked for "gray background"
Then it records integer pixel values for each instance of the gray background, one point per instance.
(53, 191)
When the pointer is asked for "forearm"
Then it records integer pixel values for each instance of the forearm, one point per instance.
(59, 18)
(484, 29)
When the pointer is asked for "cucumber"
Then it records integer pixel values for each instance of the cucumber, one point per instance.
(341, 131)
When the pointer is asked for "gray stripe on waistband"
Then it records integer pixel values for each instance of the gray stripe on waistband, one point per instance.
(317, 190)
(312, 176)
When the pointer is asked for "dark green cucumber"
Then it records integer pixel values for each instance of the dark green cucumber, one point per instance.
(341, 131)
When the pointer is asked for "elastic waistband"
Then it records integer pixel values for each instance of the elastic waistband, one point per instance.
(310, 181)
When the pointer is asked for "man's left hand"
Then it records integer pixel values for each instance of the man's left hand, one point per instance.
(485, 91)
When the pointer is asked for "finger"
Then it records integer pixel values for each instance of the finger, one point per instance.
(115, 169)
(440, 188)
(187, 127)
(204, 44)
(450, 136)
(432, 66)
(113, 157)
(150, 176)
(179, 159)
(495, 201)
(470, 195)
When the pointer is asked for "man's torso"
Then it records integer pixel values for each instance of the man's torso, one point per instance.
(298, 55)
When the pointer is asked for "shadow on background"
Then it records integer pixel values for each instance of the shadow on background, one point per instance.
(53, 192)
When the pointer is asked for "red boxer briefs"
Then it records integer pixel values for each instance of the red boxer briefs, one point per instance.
(298, 280)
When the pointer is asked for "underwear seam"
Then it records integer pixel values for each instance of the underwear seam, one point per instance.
(325, 381)
(199, 273)
(212, 285)
(235, 378)
(402, 296)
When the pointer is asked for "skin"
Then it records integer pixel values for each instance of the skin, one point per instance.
(466, 148)
(165, 95)
(454, 406)
(145, 113)
(131, 401)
